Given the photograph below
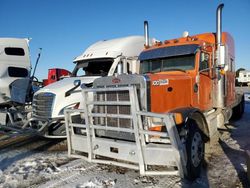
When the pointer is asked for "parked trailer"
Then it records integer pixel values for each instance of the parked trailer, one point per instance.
(103, 58)
(162, 117)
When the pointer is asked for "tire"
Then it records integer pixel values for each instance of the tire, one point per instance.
(195, 151)
(238, 110)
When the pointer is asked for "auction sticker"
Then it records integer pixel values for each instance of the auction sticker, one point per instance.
(160, 82)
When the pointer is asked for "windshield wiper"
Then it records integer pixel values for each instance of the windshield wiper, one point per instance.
(176, 69)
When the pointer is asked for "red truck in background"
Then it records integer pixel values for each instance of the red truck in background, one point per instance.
(55, 74)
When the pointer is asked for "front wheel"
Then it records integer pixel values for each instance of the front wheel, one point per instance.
(195, 151)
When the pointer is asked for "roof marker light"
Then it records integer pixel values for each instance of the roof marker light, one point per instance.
(166, 42)
(185, 34)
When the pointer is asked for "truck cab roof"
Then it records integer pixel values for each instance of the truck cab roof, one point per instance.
(199, 40)
(126, 46)
(14, 51)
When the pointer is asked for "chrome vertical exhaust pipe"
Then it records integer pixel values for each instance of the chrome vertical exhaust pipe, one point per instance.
(146, 34)
(219, 94)
(219, 24)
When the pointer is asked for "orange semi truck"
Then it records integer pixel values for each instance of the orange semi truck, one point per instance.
(162, 117)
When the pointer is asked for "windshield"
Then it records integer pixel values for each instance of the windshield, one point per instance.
(185, 62)
(93, 68)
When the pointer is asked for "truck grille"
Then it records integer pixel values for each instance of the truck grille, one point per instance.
(42, 105)
(112, 104)
(114, 109)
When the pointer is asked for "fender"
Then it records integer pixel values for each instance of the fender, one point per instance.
(195, 114)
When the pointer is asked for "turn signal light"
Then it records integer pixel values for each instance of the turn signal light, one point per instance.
(222, 72)
(178, 118)
(157, 128)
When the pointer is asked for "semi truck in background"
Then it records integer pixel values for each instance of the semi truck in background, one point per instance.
(103, 58)
(17, 84)
(244, 78)
(54, 75)
(161, 118)
(15, 79)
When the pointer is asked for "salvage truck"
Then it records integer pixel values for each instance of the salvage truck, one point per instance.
(158, 121)
(103, 58)
(15, 80)
(18, 83)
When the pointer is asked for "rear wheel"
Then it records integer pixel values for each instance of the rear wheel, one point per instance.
(195, 151)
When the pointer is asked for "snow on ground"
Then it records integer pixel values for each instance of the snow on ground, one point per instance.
(28, 166)
(32, 170)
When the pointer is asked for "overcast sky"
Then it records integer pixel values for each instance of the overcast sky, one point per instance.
(64, 29)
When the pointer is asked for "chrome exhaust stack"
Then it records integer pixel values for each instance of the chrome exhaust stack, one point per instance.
(146, 34)
(220, 91)
(219, 24)
(220, 52)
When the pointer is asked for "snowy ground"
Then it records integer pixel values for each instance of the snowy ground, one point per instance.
(44, 164)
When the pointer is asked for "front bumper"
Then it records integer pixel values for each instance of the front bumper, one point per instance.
(140, 153)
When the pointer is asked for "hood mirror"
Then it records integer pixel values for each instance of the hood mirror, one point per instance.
(77, 82)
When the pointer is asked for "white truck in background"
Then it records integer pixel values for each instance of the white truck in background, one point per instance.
(103, 58)
(15, 80)
(244, 78)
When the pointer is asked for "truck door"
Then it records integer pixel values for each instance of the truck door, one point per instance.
(205, 81)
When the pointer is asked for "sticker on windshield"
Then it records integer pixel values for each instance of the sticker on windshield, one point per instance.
(160, 82)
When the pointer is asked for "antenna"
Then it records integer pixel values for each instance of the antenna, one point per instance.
(37, 60)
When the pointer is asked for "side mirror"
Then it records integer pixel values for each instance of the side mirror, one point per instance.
(119, 68)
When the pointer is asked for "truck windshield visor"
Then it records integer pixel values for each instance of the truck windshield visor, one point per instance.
(93, 68)
(163, 59)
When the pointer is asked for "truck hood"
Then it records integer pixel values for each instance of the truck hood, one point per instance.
(66, 84)
(170, 91)
(60, 101)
